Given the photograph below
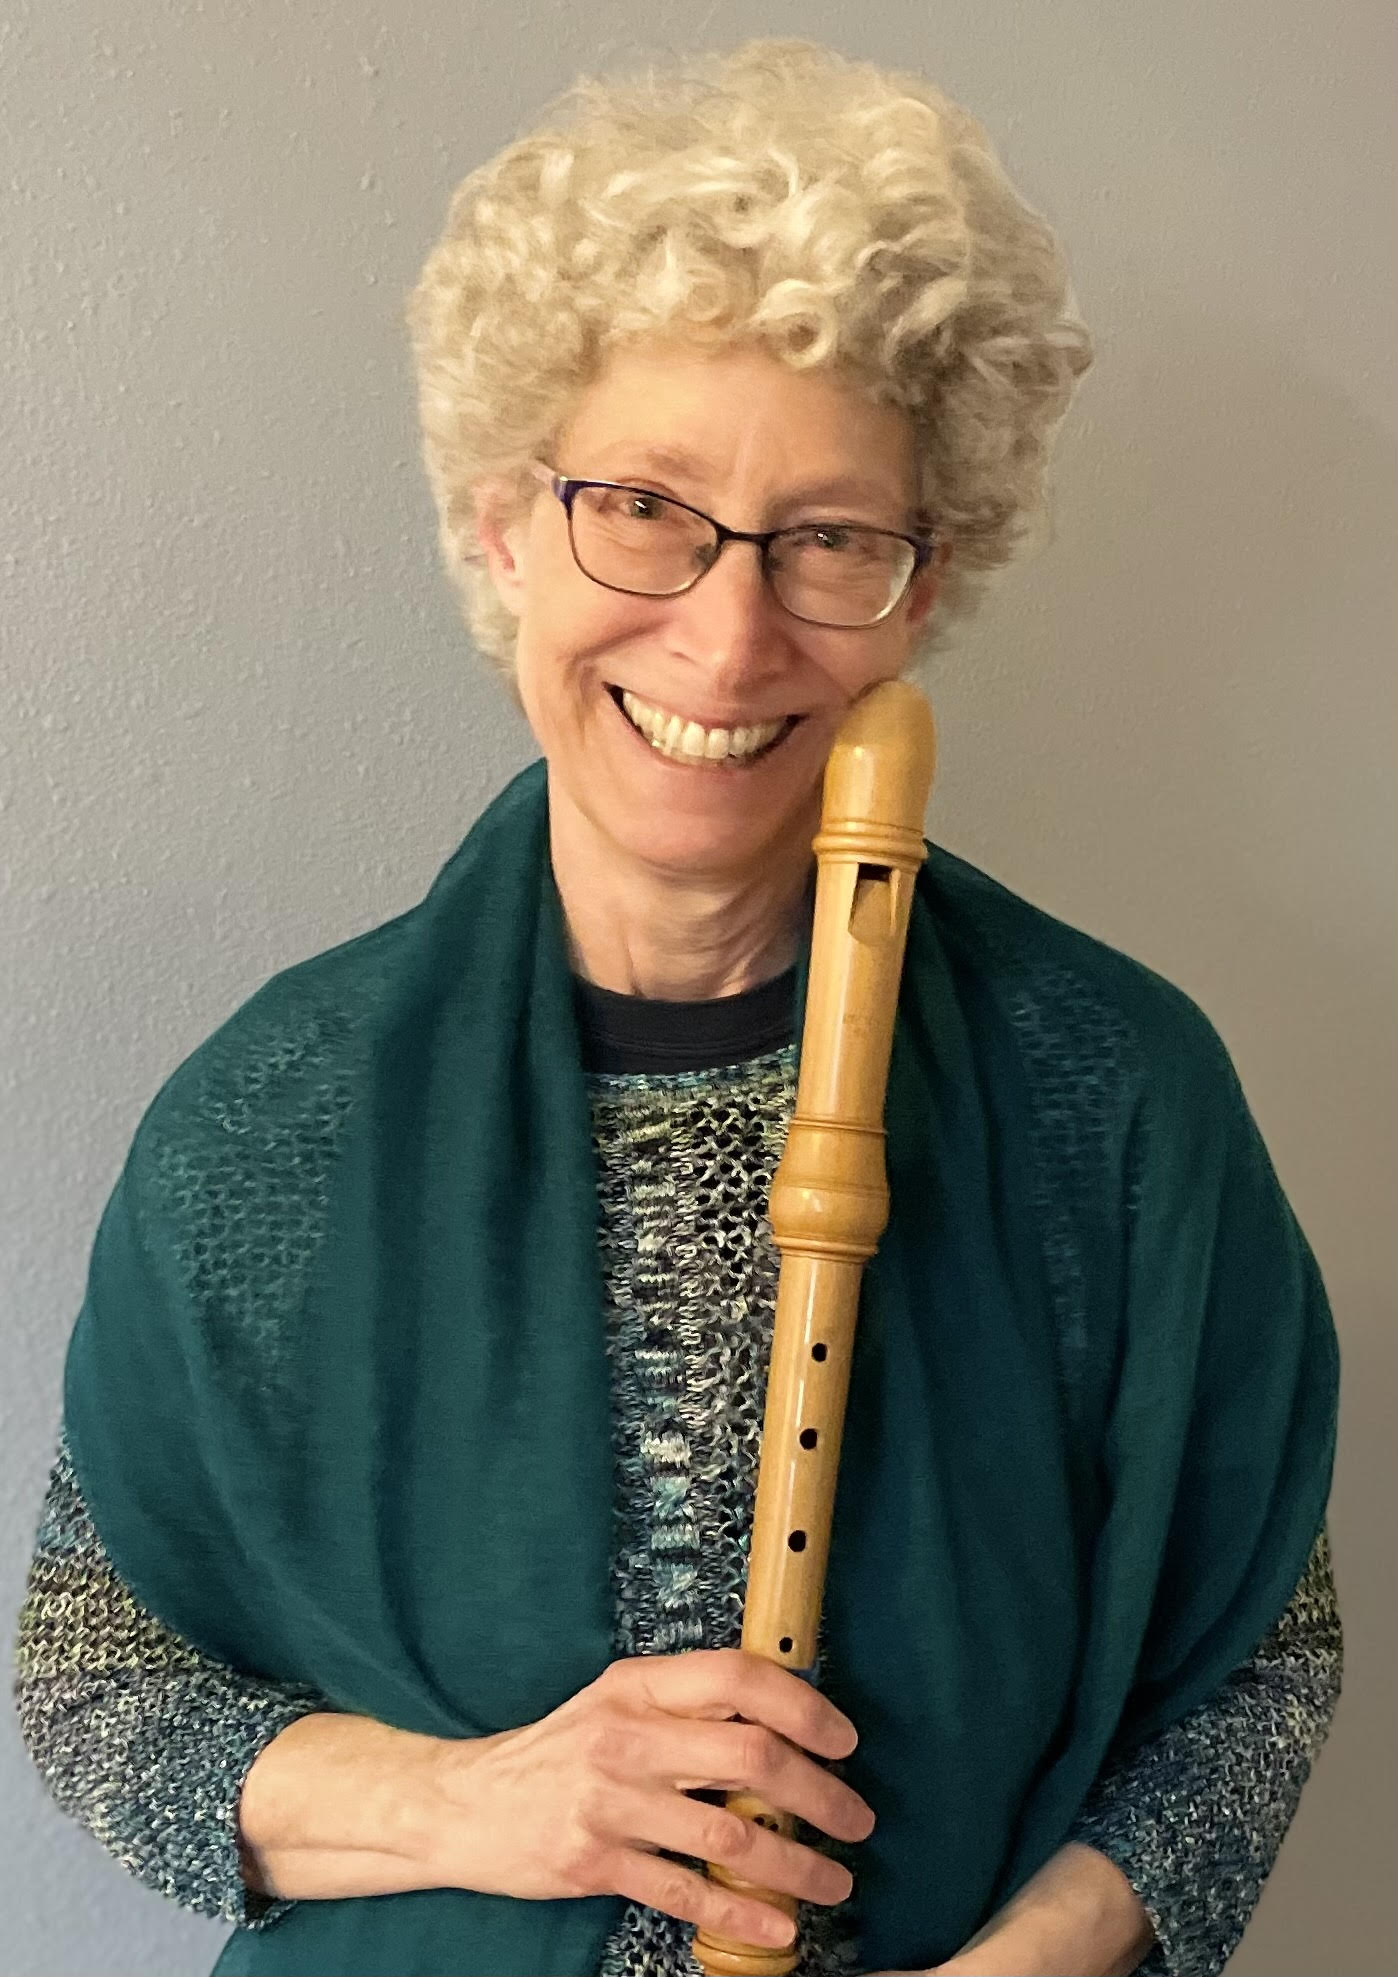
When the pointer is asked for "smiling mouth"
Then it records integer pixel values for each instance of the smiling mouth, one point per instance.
(689, 745)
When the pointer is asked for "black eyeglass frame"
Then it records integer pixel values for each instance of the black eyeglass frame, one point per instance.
(567, 489)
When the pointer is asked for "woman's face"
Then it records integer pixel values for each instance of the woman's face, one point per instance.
(757, 446)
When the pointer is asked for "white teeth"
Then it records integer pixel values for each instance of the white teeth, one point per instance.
(686, 741)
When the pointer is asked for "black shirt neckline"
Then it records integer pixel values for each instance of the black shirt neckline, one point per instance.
(629, 1033)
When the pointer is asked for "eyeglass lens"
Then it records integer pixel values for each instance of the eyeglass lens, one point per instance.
(831, 573)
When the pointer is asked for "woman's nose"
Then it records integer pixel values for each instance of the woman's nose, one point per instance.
(729, 620)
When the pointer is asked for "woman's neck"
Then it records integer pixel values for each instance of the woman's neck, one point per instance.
(638, 930)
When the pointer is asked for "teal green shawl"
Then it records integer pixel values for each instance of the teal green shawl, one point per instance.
(339, 1401)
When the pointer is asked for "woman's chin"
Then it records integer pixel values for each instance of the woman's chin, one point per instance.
(692, 821)
(684, 848)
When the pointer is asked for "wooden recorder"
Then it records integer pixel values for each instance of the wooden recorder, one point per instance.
(829, 1204)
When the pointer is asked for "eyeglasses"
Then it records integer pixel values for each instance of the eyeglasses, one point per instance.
(650, 545)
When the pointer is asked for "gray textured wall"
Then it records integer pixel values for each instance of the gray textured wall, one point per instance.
(240, 720)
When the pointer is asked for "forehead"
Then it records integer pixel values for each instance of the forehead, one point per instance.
(852, 484)
(713, 417)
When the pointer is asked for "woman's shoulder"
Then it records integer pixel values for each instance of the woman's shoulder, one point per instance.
(282, 1064)
(1070, 995)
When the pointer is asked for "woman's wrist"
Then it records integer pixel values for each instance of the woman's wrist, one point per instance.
(339, 1805)
(1077, 1917)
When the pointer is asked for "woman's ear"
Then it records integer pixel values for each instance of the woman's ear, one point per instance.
(927, 583)
(501, 530)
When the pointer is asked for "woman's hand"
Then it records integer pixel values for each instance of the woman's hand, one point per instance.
(583, 1801)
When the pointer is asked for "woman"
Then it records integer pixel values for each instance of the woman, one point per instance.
(412, 1417)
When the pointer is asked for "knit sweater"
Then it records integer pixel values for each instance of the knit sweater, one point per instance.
(146, 1741)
